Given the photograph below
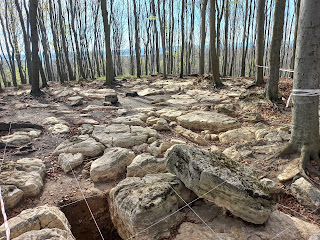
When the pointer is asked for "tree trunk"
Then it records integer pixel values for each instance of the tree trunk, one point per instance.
(2, 73)
(64, 43)
(79, 58)
(243, 58)
(44, 40)
(233, 39)
(203, 37)
(137, 38)
(35, 89)
(109, 62)
(60, 70)
(295, 36)
(25, 39)
(305, 115)
(214, 59)
(226, 31)
(182, 38)
(153, 9)
(274, 61)
(163, 36)
(260, 42)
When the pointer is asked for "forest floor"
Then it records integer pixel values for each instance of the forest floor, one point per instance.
(234, 99)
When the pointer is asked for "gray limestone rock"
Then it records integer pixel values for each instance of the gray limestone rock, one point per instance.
(136, 203)
(35, 219)
(85, 145)
(215, 177)
(201, 120)
(69, 161)
(145, 164)
(111, 165)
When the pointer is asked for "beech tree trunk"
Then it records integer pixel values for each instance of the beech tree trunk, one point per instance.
(137, 38)
(305, 114)
(295, 36)
(182, 39)
(203, 37)
(214, 59)
(274, 61)
(109, 62)
(35, 89)
(25, 39)
(260, 42)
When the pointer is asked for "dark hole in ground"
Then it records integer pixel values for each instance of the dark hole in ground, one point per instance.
(82, 224)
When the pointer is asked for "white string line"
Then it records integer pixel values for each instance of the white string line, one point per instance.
(280, 69)
(5, 219)
(303, 93)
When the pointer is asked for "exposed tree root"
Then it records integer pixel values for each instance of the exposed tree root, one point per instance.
(307, 153)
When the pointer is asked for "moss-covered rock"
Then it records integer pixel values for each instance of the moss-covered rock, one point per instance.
(217, 178)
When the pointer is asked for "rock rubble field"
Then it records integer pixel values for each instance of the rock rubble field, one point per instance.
(178, 159)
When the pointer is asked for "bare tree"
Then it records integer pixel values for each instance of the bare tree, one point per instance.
(305, 114)
(182, 38)
(109, 62)
(260, 42)
(214, 59)
(274, 62)
(137, 37)
(35, 89)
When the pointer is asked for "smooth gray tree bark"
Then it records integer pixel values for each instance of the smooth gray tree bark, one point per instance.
(274, 61)
(305, 114)
(214, 58)
(203, 36)
(260, 42)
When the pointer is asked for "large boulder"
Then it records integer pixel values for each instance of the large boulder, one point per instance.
(80, 144)
(29, 182)
(121, 135)
(111, 165)
(36, 219)
(215, 177)
(203, 120)
(47, 234)
(145, 164)
(137, 205)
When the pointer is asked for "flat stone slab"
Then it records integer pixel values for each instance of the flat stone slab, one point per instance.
(203, 120)
(121, 135)
(96, 93)
(85, 145)
(149, 92)
(215, 177)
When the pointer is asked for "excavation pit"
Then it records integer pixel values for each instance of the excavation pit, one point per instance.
(83, 226)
